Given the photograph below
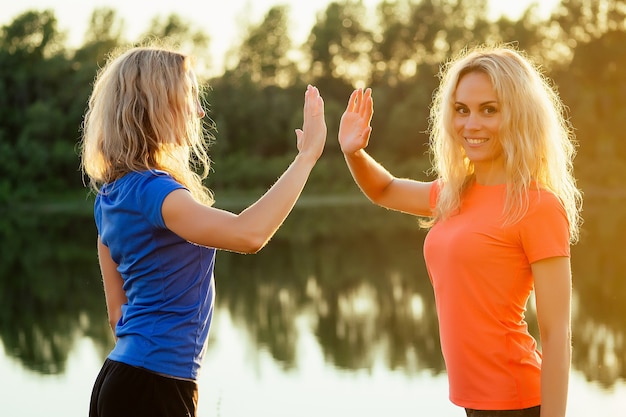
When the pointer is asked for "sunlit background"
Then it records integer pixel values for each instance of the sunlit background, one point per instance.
(223, 21)
(336, 316)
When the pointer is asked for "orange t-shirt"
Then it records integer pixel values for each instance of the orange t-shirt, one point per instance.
(481, 276)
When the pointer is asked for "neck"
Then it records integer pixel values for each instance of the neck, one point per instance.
(489, 174)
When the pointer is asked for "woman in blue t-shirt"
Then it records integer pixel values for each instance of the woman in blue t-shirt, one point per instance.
(143, 150)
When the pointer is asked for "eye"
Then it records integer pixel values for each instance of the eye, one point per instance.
(461, 109)
(489, 110)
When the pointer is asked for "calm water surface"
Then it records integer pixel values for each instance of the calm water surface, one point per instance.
(335, 317)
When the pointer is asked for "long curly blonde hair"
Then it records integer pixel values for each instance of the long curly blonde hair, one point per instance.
(537, 139)
(142, 116)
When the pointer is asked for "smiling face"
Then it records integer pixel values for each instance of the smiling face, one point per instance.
(476, 121)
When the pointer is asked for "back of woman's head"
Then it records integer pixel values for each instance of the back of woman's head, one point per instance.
(141, 116)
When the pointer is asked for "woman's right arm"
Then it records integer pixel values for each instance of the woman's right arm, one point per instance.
(250, 230)
(378, 184)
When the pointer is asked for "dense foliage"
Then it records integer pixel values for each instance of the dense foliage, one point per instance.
(256, 102)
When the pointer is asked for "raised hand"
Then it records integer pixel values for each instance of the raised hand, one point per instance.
(355, 129)
(312, 137)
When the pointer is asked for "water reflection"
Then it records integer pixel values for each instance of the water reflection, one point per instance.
(356, 273)
(50, 294)
(599, 267)
(354, 314)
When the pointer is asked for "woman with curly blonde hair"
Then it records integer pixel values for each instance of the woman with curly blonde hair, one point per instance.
(501, 215)
(143, 149)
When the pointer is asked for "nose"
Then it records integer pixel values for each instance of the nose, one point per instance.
(200, 110)
(473, 122)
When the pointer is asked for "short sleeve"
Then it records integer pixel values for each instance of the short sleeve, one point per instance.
(152, 192)
(97, 213)
(435, 188)
(544, 231)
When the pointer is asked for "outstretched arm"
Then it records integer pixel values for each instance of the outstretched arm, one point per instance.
(250, 230)
(378, 184)
(553, 294)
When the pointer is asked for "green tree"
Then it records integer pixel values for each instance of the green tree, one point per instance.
(264, 53)
(181, 33)
(34, 126)
(102, 37)
(257, 102)
(339, 45)
(594, 87)
(252, 118)
(253, 107)
(413, 33)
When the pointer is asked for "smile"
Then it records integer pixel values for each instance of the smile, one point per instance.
(476, 141)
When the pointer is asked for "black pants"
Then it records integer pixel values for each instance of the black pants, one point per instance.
(126, 391)
(526, 412)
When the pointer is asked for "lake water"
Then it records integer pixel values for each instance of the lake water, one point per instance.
(334, 317)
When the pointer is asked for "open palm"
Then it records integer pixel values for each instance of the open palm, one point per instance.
(312, 137)
(354, 128)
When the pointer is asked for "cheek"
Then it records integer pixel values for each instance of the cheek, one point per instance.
(457, 124)
(494, 124)
(189, 108)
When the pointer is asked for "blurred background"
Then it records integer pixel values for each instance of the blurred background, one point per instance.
(336, 316)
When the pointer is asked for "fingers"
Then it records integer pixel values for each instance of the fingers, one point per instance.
(361, 102)
(318, 104)
(313, 113)
(311, 92)
(310, 96)
(352, 100)
(366, 105)
(313, 102)
(307, 102)
(364, 98)
(356, 100)
(311, 137)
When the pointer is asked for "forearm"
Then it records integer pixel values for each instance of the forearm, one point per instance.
(553, 293)
(555, 372)
(266, 215)
(113, 285)
(113, 320)
(371, 177)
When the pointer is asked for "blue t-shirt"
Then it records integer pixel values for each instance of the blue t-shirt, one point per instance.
(168, 281)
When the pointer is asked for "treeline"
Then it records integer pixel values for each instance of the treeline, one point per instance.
(257, 101)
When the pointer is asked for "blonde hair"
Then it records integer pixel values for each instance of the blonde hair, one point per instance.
(537, 140)
(142, 116)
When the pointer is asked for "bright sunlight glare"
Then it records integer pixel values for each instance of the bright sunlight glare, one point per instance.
(223, 22)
